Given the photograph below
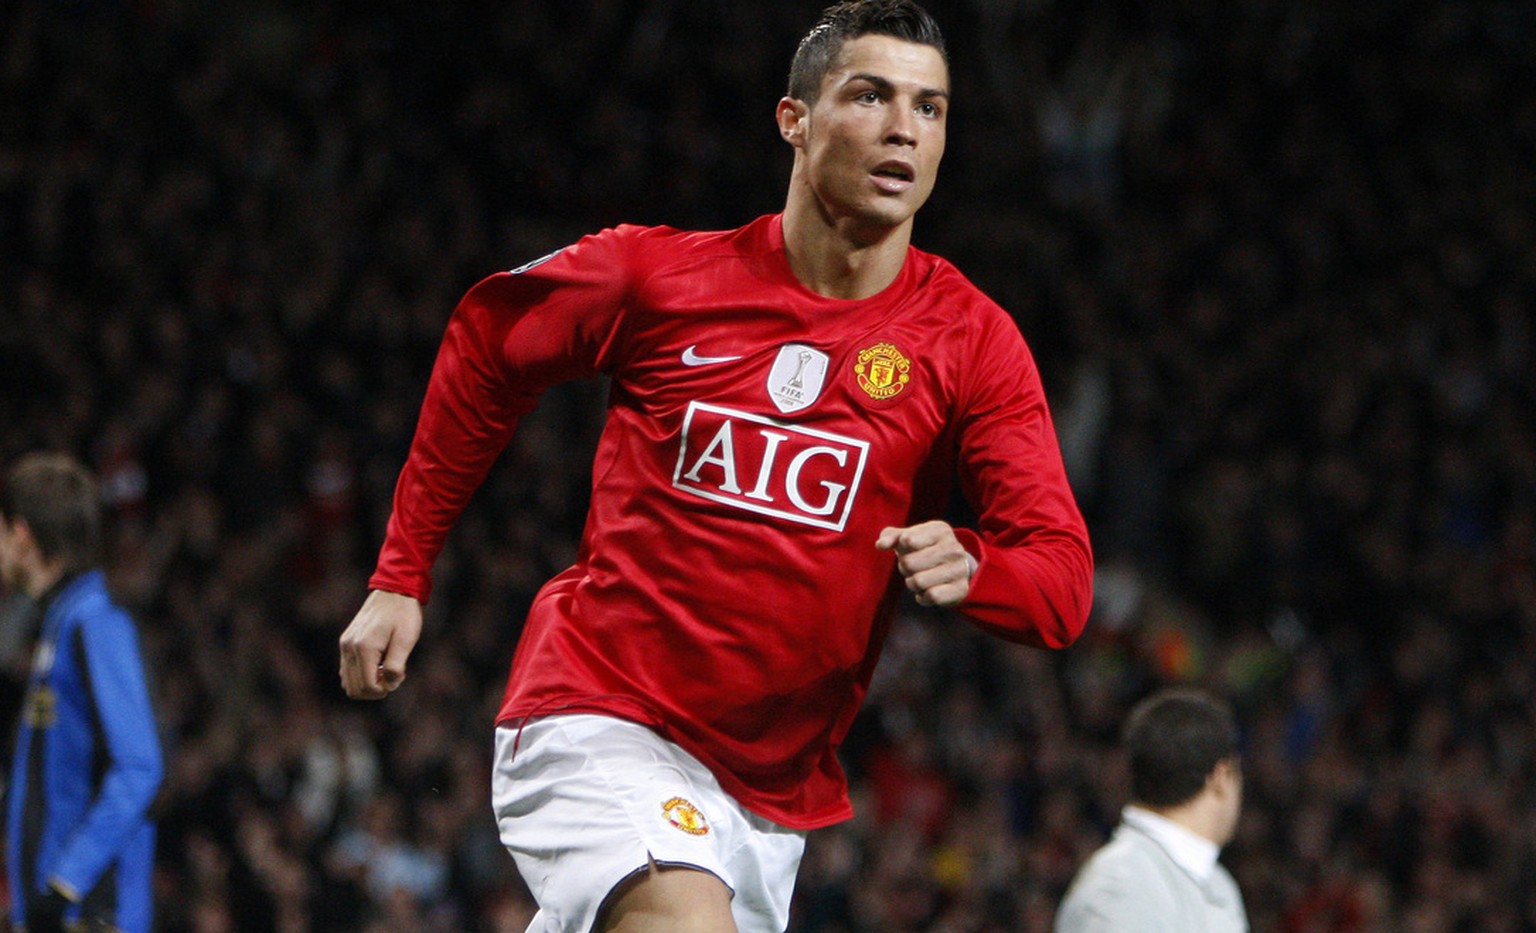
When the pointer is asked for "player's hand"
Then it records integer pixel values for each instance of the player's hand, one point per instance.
(932, 561)
(374, 647)
(45, 911)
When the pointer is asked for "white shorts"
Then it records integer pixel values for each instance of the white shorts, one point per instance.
(585, 801)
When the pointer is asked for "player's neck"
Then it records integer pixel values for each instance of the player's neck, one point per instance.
(838, 259)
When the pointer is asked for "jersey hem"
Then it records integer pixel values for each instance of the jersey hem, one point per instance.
(518, 717)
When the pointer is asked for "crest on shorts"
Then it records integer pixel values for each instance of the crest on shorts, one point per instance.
(685, 816)
(882, 371)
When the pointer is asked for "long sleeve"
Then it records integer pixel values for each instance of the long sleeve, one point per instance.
(511, 336)
(111, 667)
(1034, 579)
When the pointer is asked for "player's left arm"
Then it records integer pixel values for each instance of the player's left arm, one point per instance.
(111, 665)
(1033, 580)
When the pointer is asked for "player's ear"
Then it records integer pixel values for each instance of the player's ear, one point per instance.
(792, 115)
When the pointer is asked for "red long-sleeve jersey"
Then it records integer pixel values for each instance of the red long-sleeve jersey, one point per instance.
(728, 592)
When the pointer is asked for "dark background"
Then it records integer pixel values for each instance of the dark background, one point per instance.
(1276, 259)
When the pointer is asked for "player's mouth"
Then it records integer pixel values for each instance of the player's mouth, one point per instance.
(894, 176)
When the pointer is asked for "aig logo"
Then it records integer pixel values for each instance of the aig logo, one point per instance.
(761, 465)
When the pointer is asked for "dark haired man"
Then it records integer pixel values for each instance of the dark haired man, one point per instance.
(1159, 873)
(79, 846)
(789, 402)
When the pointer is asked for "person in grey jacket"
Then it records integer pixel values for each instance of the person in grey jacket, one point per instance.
(1158, 873)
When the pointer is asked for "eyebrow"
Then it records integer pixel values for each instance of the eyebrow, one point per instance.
(886, 87)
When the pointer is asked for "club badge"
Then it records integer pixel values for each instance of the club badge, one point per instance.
(882, 371)
(42, 708)
(685, 816)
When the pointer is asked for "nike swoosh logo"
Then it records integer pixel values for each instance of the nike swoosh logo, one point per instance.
(690, 358)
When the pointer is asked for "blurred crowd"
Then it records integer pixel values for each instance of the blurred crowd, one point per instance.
(1277, 259)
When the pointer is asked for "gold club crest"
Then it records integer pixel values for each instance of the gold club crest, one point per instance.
(685, 816)
(42, 708)
(882, 371)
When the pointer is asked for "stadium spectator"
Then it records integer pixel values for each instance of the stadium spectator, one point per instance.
(80, 845)
(1159, 871)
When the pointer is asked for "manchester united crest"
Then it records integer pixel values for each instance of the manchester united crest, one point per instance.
(685, 816)
(882, 371)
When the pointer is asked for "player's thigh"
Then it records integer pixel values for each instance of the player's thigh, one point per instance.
(587, 803)
(668, 900)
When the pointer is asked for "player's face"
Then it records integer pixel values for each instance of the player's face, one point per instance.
(873, 140)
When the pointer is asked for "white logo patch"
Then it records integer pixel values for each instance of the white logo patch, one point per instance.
(761, 465)
(692, 358)
(797, 377)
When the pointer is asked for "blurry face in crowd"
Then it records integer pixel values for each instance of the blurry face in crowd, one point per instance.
(11, 544)
(1229, 778)
(872, 142)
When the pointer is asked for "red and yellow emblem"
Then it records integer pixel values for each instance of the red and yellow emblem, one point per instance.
(882, 371)
(685, 816)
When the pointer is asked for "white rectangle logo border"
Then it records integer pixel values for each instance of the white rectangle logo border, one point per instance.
(704, 492)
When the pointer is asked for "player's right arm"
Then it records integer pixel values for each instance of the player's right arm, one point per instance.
(374, 647)
(510, 337)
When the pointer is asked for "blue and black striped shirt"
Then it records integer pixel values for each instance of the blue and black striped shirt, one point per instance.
(87, 764)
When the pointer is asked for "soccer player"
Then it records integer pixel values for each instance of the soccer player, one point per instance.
(1159, 873)
(789, 403)
(79, 846)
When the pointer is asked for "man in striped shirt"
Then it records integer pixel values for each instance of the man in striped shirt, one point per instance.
(79, 844)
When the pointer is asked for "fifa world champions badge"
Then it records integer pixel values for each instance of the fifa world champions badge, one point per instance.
(882, 371)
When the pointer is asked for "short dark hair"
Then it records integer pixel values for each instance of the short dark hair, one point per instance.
(56, 496)
(903, 19)
(1174, 739)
